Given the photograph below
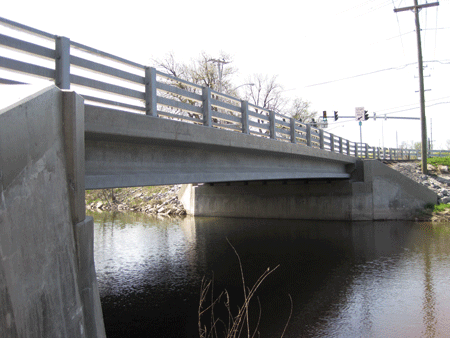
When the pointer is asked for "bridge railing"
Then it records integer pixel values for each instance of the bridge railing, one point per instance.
(111, 81)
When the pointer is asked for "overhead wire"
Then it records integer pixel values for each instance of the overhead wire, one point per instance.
(426, 23)
(360, 75)
(380, 6)
(399, 30)
(357, 6)
(376, 71)
(435, 32)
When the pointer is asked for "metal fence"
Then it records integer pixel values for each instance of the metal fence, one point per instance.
(108, 80)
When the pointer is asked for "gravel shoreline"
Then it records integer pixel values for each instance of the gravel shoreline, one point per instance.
(438, 180)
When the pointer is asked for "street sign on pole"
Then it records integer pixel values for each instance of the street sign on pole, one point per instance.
(359, 113)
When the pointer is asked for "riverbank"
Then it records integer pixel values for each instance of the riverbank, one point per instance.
(159, 200)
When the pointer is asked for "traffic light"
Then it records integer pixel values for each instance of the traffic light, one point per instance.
(366, 115)
(336, 115)
(324, 115)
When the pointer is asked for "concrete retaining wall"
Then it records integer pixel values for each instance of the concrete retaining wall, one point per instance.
(376, 193)
(48, 285)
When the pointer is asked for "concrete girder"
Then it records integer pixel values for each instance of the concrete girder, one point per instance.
(124, 149)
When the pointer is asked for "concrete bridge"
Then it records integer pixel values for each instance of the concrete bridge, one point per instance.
(56, 143)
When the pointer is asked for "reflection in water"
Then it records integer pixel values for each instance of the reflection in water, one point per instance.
(429, 298)
(366, 279)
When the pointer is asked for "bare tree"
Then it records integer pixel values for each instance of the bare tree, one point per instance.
(203, 71)
(300, 110)
(217, 73)
(171, 66)
(265, 93)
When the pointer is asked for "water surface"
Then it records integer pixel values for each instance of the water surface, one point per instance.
(362, 279)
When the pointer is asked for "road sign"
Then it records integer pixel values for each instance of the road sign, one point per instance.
(359, 113)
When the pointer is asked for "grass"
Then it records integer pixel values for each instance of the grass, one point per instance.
(439, 161)
(441, 207)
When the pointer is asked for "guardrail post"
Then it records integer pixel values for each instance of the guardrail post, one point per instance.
(308, 135)
(332, 143)
(62, 62)
(244, 117)
(292, 130)
(378, 153)
(348, 147)
(150, 92)
(321, 139)
(272, 125)
(207, 106)
(366, 150)
(341, 149)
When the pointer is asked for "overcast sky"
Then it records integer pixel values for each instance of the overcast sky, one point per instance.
(338, 55)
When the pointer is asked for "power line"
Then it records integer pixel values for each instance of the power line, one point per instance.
(411, 104)
(357, 6)
(386, 3)
(432, 29)
(359, 75)
(435, 32)
(376, 71)
(399, 30)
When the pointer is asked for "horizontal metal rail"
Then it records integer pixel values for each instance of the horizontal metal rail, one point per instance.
(108, 80)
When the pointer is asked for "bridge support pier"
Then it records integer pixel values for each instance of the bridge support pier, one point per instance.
(376, 192)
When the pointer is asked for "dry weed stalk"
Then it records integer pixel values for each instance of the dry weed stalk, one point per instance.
(236, 323)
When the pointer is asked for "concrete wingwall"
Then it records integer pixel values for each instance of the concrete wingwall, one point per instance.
(48, 286)
(376, 192)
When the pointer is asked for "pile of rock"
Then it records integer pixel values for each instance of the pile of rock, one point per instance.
(438, 179)
(162, 203)
(166, 203)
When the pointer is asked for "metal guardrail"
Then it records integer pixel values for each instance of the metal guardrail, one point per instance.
(108, 80)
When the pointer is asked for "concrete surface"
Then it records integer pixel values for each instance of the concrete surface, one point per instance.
(381, 194)
(125, 149)
(47, 279)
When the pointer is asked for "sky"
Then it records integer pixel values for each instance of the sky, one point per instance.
(338, 55)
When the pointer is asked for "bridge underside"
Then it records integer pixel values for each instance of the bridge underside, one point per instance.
(124, 150)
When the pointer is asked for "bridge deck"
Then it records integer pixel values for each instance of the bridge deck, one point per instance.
(124, 149)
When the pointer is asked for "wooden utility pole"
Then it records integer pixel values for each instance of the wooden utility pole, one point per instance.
(423, 120)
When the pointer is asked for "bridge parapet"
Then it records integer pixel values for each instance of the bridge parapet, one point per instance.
(110, 81)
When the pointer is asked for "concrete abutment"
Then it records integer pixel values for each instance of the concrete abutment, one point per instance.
(375, 192)
(48, 285)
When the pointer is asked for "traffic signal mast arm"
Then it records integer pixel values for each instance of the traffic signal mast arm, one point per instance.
(384, 117)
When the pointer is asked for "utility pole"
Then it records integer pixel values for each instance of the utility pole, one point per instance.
(220, 64)
(360, 138)
(423, 120)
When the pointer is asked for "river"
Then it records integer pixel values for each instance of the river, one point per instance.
(360, 279)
